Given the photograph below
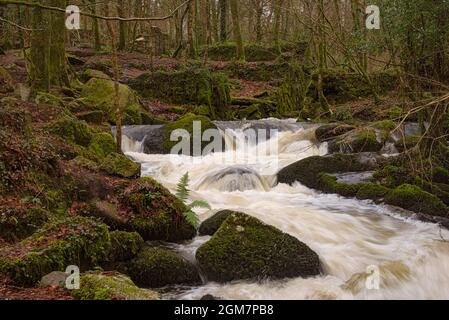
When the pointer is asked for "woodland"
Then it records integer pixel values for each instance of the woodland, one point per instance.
(83, 81)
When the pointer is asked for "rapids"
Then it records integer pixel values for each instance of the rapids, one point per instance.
(348, 235)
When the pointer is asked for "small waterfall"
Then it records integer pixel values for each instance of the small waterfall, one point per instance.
(131, 145)
(236, 178)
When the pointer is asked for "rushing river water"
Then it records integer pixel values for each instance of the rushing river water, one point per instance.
(348, 235)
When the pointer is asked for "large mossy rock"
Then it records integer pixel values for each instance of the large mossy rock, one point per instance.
(100, 94)
(71, 241)
(192, 85)
(362, 140)
(415, 199)
(246, 248)
(211, 225)
(156, 267)
(121, 166)
(146, 207)
(307, 171)
(102, 144)
(110, 286)
(72, 130)
(124, 245)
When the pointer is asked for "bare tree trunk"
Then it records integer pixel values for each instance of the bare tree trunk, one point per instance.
(223, 20)
(237, 30)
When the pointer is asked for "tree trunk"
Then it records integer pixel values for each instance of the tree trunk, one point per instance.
(47, 58)
(192, 52)
(122, 25)
(237, 30)
(223, 20)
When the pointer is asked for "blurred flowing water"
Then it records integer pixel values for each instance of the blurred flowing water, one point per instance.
(349, 235)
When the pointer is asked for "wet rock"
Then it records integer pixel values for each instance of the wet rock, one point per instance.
(307, 171)
(331, 131)
(121, 166)
(125, 245)
(211, 225)
(363, 140)
(415, 199)
(156, 267)
(245, 248)
(146, 207)
(111, 286)
(54, 279)
(71, 241)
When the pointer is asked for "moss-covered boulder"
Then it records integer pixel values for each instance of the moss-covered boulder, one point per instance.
(88, 74)
(102, 144)
(361, 140)
(156, 267)
(6, 82)
(146, 207)
(71, 129)
(330, 184)
(70, 241)
(100, 93)
(19, 223)
(372, 191)
(246, 248)
(125, 245)
(121, 166)
(307, 171)
(110, 286)
(211, 225)
(193, 85)
(415, 199)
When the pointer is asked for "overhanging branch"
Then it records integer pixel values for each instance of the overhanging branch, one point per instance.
(92, 15)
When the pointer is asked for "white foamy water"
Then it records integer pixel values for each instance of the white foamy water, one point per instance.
(348, 235)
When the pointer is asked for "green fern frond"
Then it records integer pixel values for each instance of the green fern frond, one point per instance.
(182, 190)
(192, 218)
(199, 204)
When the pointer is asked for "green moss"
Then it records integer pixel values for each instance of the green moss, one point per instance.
(132, 115)
(363, 140)
(101, 94)
(71, 241)
(212, 224)
(440, 175)
(372, 191)
(156, 267)
(102, 145)
(250, 113)
(16, 224)
(330, 184)
(307, 171)
(119, 165)
(186, 123)
(392, 176)
(110, 286)
(415, 199)
(193, 85)
(48, 98)
(395, 113)
(407, 143)
(154, 212)
(91, 73)
(81, 161)
(245, 248)
(124, 245)
(72, 130)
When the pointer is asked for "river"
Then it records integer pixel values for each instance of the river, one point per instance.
(350, 236)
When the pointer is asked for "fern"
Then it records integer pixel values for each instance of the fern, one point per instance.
(182, 193)
(182, 190)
